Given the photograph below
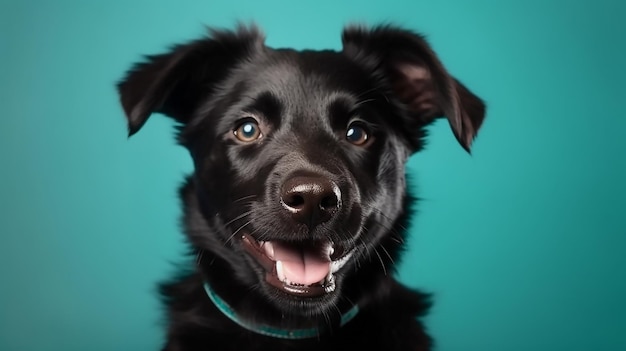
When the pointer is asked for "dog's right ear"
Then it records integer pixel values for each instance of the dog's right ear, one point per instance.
(417, 78)
(175, 82)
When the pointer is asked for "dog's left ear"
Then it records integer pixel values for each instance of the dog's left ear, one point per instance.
(417, 78)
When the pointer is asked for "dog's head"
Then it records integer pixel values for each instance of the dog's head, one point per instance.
(299, 155)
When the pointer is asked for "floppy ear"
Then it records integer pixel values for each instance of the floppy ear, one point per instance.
(175, 82)
(417, 78)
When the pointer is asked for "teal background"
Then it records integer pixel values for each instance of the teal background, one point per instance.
(523, 243)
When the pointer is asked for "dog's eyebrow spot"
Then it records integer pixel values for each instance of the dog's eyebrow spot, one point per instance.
(268, 105)
(341, 110)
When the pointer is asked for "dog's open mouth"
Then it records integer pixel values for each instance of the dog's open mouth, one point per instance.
(303, 269)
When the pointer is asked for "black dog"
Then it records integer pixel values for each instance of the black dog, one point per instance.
(297, 208)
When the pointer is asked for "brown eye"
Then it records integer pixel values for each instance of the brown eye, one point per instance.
(248, 131)
(357, 134)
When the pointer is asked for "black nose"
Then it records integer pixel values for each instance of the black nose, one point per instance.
(311, 200)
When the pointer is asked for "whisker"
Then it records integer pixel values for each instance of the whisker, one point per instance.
(261, 236)
(395, 234)
(235, 232)
(365, 249)
(381, 261)
(238, 217)
(244, 198)
(359, 103)
(388, 255)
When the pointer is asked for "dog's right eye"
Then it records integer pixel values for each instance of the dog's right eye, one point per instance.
(247, 131)
(358, 134)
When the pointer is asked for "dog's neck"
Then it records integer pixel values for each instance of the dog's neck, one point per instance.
(266, 330)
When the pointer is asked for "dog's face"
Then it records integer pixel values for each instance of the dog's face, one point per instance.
(299, 156)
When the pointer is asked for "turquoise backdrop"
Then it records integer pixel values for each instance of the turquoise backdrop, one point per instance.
(523, 243)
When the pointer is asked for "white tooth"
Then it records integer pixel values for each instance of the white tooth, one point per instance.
(269, 249)
(330, 285)
(330, 249)
(279, 271)
(336, 265)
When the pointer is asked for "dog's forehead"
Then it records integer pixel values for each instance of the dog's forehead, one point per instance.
(306, 79)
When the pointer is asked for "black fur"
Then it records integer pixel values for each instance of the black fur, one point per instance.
(386, 81)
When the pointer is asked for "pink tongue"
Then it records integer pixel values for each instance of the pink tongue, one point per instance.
(300, 265)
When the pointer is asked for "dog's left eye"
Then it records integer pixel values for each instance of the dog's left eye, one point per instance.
(247, 131)
(357, 134)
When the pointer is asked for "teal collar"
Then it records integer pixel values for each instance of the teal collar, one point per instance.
(271, 331)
